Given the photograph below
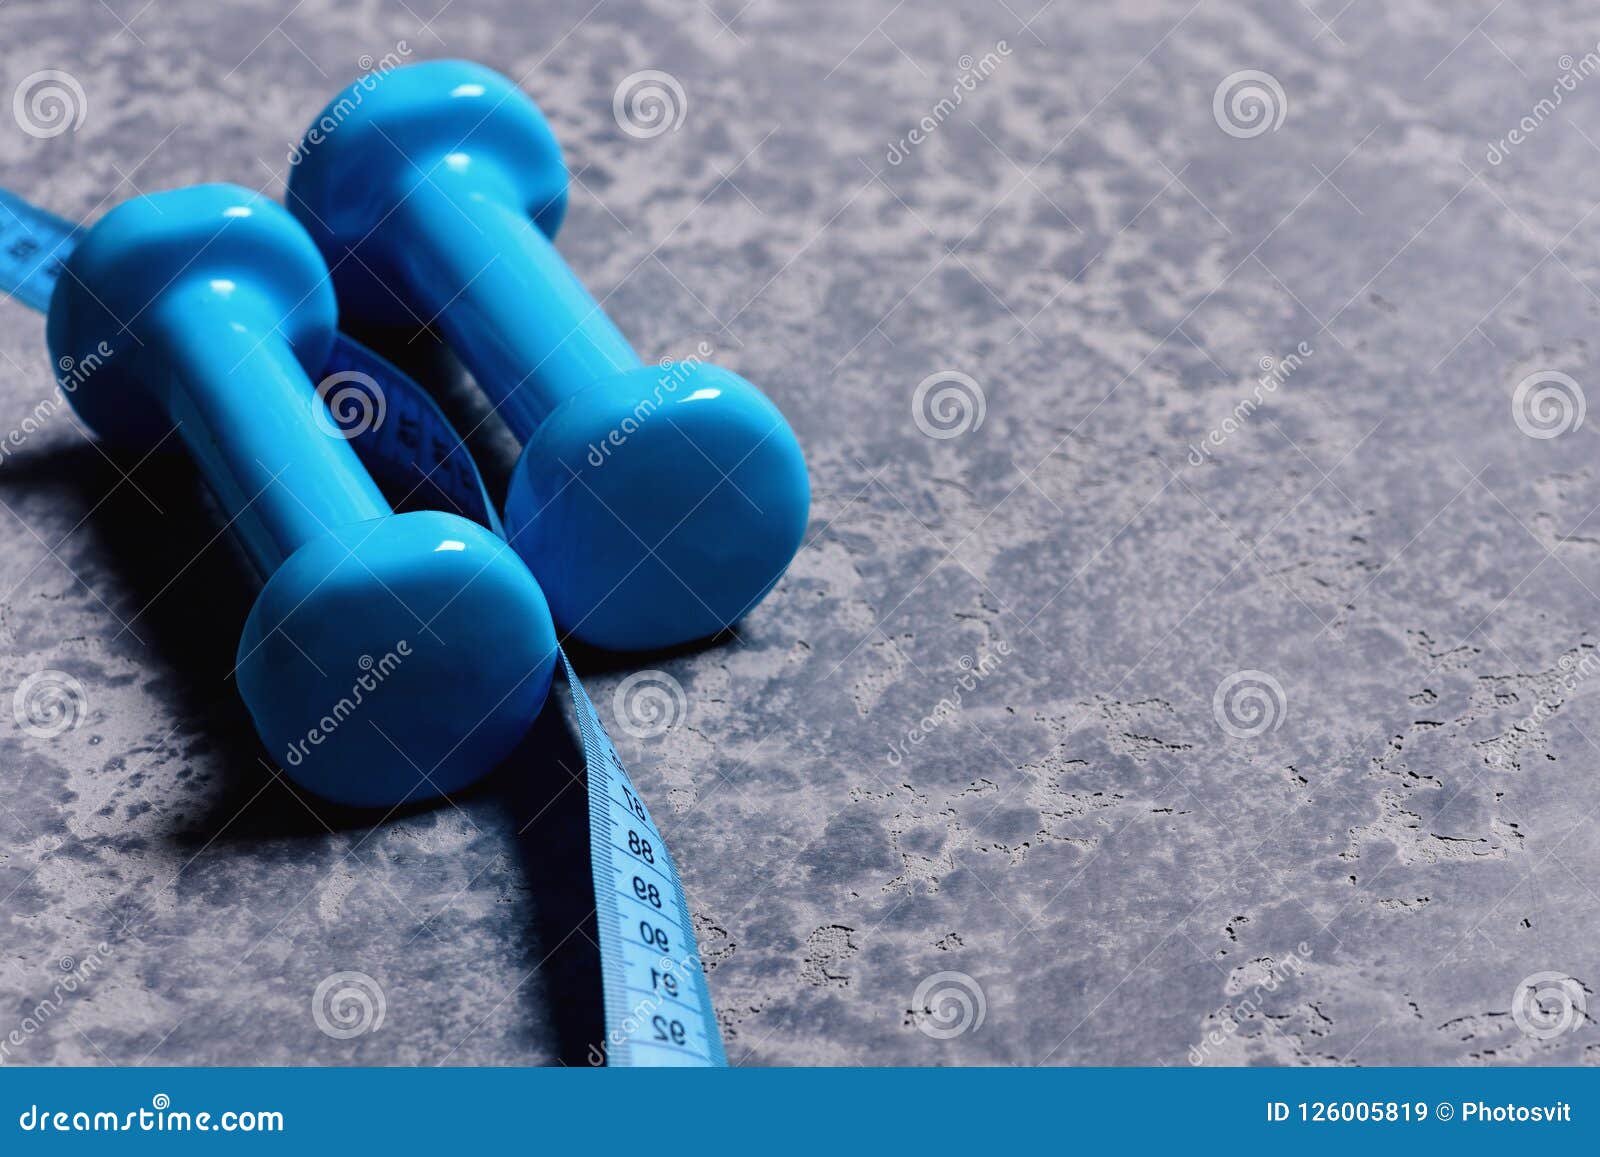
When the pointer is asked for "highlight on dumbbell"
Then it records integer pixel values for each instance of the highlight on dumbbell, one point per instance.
(656, 504)
(387, 658)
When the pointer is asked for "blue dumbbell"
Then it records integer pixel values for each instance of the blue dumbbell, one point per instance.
(388, 657)
(656, 505)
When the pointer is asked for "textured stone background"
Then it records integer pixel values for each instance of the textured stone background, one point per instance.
(1365, 882)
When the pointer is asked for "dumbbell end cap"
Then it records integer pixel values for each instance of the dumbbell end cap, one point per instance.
(659, 506)
(153, 250)
(396, 660)
(382, 136)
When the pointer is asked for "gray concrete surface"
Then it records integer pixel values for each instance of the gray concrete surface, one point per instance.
(1115, 875)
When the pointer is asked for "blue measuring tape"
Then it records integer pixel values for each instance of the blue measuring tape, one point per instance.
(657, 1006)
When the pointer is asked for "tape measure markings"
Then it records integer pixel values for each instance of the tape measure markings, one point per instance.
(27, 231)
(669, 973)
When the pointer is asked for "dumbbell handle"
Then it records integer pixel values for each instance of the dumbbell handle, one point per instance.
(243, 405)
(485, 274)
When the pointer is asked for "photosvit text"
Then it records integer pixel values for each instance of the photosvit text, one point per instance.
(1403, 1112)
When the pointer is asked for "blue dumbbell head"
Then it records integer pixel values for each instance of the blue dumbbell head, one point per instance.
(388, 658)
(656, 504)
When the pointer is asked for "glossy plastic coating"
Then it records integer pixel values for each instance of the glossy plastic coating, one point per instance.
(656, 504)
(388, 658)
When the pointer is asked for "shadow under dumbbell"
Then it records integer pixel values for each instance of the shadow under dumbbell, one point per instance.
(179, 591)
(545, 791)
(160, 557)
(154, 550)
(140, 545)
